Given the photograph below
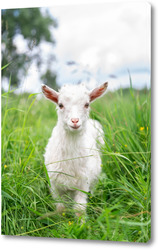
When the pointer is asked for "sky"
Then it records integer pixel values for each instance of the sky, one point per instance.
(106, 41)
(96, 43)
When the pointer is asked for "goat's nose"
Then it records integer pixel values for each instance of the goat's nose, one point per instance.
(75, 120)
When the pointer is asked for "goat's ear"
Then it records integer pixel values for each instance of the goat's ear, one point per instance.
(98, 92)
(49, 93)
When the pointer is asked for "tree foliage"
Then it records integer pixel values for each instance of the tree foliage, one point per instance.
(34, 25)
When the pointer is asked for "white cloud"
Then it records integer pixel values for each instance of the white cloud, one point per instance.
(103, 37)
(20, 43)
(89, 57)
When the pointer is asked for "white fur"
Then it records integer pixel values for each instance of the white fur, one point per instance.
(72, 156)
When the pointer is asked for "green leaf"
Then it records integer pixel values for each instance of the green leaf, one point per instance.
(5, 66)
(6, 195)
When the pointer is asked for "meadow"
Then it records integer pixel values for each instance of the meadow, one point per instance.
(120, 207)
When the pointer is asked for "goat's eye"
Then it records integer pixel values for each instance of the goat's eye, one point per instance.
(61, 105)
(86, 105)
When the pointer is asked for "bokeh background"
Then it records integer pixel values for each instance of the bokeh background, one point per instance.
(90, 43)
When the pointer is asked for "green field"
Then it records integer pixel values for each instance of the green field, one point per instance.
(118, 210)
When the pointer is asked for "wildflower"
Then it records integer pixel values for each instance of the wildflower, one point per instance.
(141, 128)
(147, 128)
(125, 146)
(70, 223)
(5, 166)
(63, 214)
(134, 162)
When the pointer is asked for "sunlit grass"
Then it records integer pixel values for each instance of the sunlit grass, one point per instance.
(119, 208)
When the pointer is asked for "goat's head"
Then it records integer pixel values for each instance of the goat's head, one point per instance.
(73, 103)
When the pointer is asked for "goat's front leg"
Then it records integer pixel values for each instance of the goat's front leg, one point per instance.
(58, 197)
(81, 200)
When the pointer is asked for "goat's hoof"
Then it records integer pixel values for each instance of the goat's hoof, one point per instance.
(79, 214)
(81, 217)
(60, 208)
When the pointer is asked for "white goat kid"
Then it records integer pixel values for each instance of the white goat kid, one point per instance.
(72, 154)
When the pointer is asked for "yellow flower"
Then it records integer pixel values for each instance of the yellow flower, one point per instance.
(22, 227)
(5, 166)
(63, 214)
(125, 145)
(70, 223)
(134, 162)
(141, 128)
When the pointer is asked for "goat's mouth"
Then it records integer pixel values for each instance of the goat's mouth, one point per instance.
(75, 127)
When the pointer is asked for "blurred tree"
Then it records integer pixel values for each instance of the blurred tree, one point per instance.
(33, 25)
(49, 77)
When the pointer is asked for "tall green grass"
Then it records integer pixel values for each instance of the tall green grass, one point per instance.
(119, 208)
